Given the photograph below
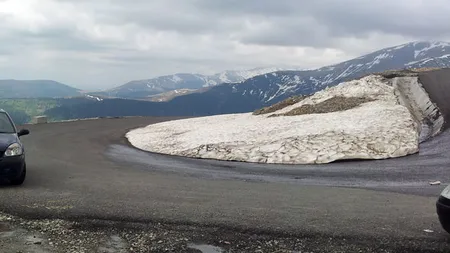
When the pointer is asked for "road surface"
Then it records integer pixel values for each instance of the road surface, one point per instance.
(87, 170)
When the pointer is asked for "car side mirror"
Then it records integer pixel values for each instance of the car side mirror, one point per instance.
(23, 132)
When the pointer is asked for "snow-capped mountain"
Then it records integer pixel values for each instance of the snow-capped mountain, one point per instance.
(269, 88)
(167, 96)
(273, 87)
(242, 75)
(180, 81)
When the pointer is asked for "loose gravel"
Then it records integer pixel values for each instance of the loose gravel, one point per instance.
(51, 236)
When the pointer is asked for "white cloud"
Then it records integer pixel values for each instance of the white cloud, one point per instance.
(99, 44)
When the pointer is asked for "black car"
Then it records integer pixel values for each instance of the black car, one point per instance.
(443, 208)
(12, 153)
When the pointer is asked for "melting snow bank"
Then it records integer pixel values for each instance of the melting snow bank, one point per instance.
(386, 126)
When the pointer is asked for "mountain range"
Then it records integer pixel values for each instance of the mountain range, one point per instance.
(147, 88)
(235, 92)
(267, 89)
(35, 89)
(170, 85)
(274, 87)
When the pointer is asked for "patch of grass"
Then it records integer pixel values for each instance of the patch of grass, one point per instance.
(425, 69)
(22, 110)
(280, 105)
(32, 106)
(334, 104)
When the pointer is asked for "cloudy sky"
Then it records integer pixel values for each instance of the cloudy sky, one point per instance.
(96, 44)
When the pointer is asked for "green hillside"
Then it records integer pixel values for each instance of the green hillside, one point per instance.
(23, 110)
(35, 89)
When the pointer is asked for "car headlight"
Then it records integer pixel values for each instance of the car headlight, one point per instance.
(446, 192)
(14, 149)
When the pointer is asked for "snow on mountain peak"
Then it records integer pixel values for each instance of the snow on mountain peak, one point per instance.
(429, 46)
(273, 88)
(150, 87)
(246, 74)
(292, 80)
(176, 78)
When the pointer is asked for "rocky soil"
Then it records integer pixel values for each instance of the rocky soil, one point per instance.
(334, 104)
(50, 236)
(280, 105)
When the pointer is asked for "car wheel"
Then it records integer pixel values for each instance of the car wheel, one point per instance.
(21, 178)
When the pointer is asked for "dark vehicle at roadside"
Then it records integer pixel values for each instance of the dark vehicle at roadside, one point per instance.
(12, 152)
(443, 208)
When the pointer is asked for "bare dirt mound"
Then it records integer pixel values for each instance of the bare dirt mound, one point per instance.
(334, 104)
(280, 105)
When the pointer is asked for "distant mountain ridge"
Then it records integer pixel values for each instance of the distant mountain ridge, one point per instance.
(274, 84)
(277, 86)
(11, 88)
(181, 81)
(267, 89)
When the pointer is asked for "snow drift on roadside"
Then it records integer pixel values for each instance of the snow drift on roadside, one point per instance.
(379, 129)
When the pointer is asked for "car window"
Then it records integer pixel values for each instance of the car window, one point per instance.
(6, 125)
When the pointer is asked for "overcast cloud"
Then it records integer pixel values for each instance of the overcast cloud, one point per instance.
(96, 44)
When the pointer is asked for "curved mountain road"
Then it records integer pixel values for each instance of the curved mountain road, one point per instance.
(87, 170)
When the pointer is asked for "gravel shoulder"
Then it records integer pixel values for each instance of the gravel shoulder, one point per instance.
(59, 236)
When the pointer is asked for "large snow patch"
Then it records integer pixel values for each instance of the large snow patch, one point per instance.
(379, 129)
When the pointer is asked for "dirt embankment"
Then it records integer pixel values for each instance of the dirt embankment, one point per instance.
(280, 105)
(334, 104)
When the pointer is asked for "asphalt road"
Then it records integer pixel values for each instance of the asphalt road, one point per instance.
(87, 170)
